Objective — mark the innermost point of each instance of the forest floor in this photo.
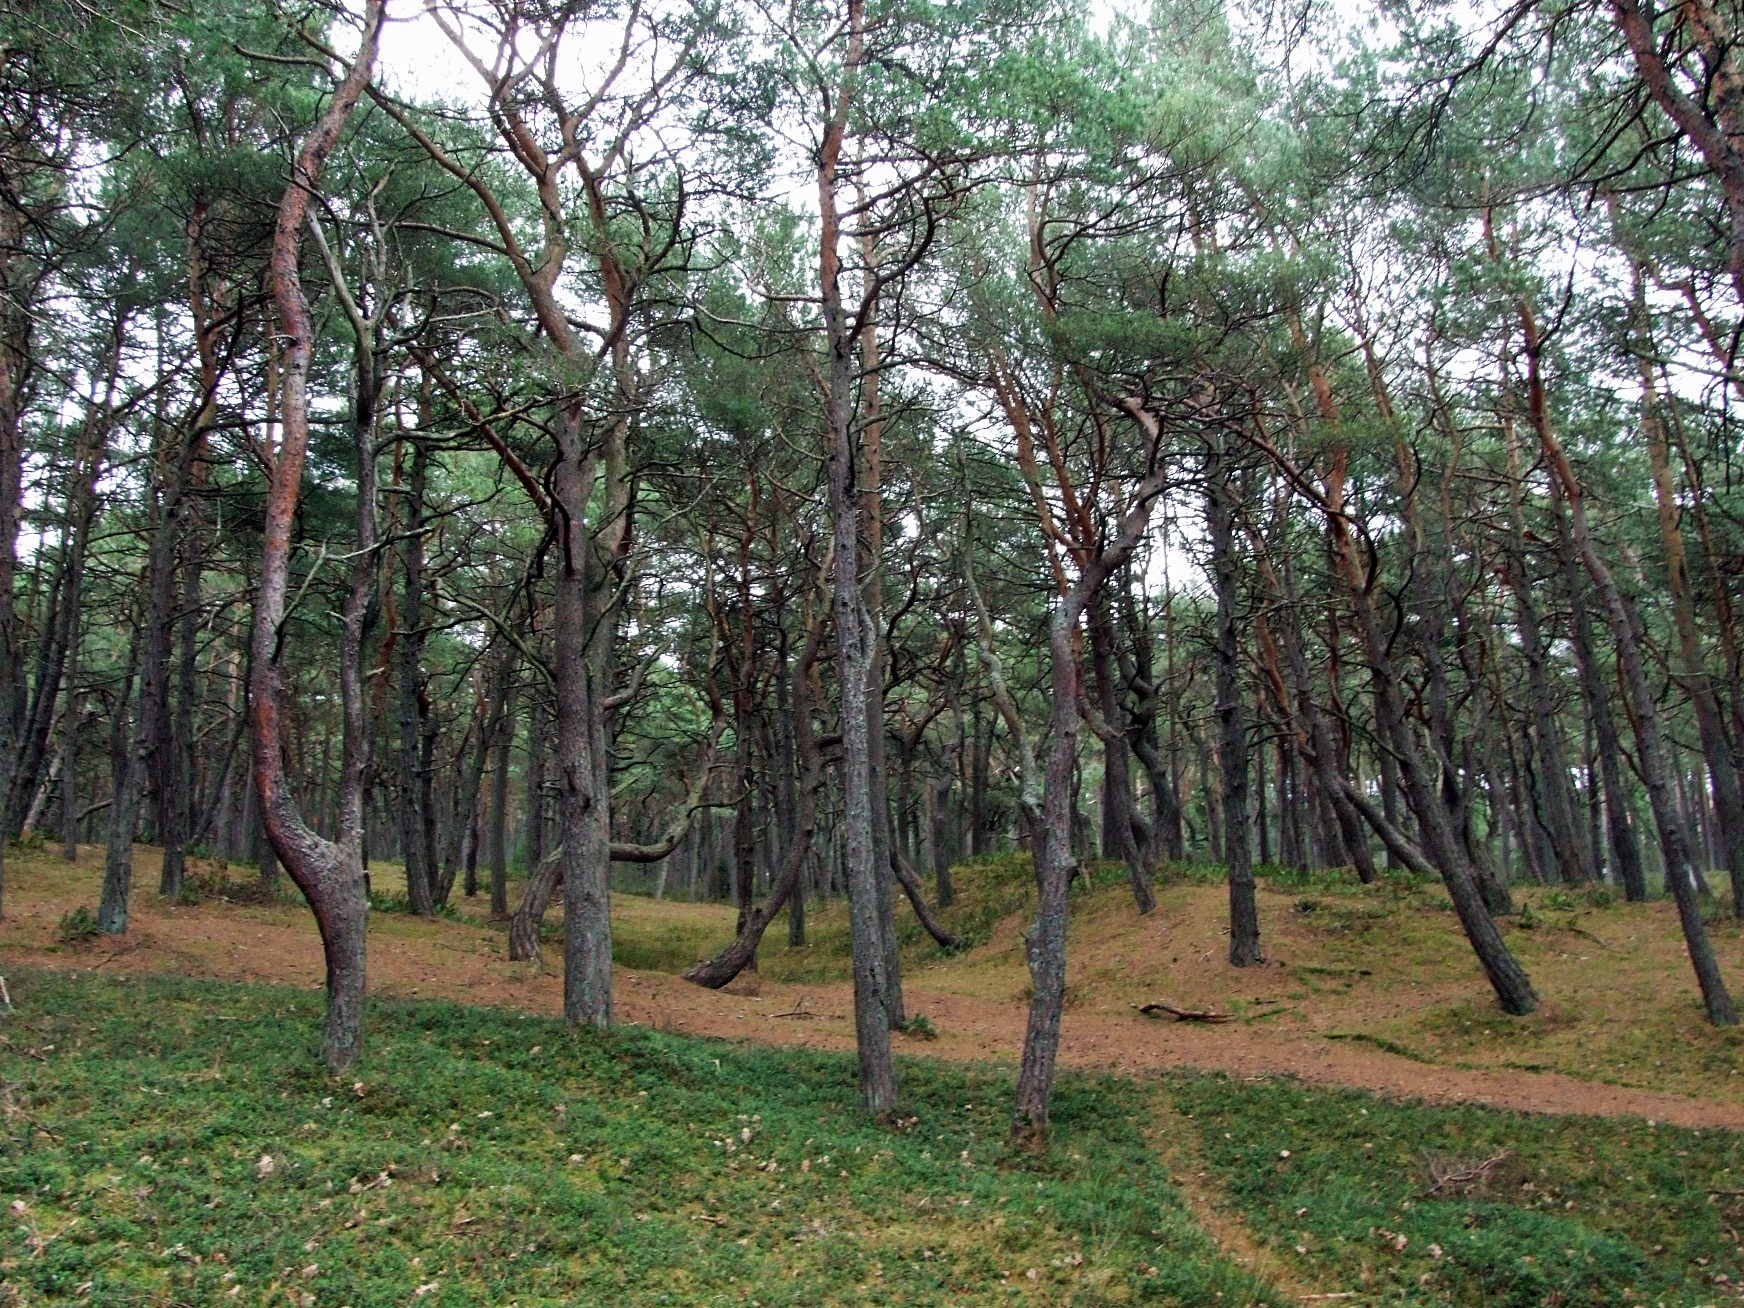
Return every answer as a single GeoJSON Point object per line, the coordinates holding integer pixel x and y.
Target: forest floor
{"type": "Point", "coordinates": [1370, 988]}
{"type": "Point", "coordinates": [1238, 1162]}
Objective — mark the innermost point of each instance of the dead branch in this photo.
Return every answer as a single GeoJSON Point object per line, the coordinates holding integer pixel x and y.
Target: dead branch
{"type": "Point", "coordinates": [1446, 1177]}
{"type": "Point", "coordinates": [1157, 1006]}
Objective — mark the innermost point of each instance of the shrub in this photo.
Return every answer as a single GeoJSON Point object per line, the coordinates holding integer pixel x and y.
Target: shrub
{"type": "Point", "coordinates": [78, 926]}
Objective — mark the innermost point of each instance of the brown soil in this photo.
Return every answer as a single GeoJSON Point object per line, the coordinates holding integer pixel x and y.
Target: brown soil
{"type": "Point", "coordinates": [976, 1004]}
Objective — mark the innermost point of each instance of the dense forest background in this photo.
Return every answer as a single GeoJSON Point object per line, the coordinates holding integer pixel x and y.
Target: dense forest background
{"type": "Point", "coordinates": [771, 452]}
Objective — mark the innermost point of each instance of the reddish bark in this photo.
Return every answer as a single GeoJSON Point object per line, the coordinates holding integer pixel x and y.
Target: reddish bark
{"type": "Point", "coordinates": [330, 874]}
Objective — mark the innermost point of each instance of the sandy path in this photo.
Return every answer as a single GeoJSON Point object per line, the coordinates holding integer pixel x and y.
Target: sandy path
{"type": "Point", "coordinates": [456, 960]}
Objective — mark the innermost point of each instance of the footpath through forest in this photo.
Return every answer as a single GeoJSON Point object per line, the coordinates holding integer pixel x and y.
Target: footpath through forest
{"type": "Point", "coordinates": [1616, 1007]}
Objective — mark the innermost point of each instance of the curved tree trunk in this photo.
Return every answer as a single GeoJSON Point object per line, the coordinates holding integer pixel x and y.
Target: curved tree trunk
{"type": "Point", "coordinates": [530, 911]}
{"type": "Point", "coordinates": [1428, 795]}
{"type": "Point", "coordinates": [330, 874]}
{"type": "Point", "coordinates": [905, 877]}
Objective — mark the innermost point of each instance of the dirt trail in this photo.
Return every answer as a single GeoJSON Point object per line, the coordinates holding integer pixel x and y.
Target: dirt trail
{"type": "Point", "coordinates": [462, 961]}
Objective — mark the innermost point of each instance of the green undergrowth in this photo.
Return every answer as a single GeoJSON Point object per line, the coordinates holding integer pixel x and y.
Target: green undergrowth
{"type": "Point", "coordinates": [991, 889]}
{"type": "Point", "coordinates": [667, 946]}
{"type": "Point", "coordinates": [988, 890]}
{"type": "Point", "coordinates": [165, 1141]}
{"type": "Point", "coordinates": [1399, 1203]}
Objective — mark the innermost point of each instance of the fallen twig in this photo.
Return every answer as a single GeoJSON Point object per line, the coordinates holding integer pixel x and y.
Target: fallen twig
{"type": "Point", "coordinates": [9, 1108]}
{"type": "Point", "coordinates": [125, 949]}
{"type": "Point", "coordinates": [1582, 931]}
{"type": "Point", "coordinates": [1463, 1176]}
{"type": "Point", "coordinates": [1184, 1014]}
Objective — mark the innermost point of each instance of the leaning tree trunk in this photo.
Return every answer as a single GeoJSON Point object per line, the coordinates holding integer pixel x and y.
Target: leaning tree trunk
{"type": "Point", "coordinates": [1426, 794]}
{"type": "Point", "coordinates": [1619, 828]}
{"type": "Point", "coordinates": [1725, 789]}
{"type": "Point", "coordinates": [1443, 845]}
{"type": "Point", "coordinates": [1649, 738]}
{"type": "Point", "coordinates": [59, 646]}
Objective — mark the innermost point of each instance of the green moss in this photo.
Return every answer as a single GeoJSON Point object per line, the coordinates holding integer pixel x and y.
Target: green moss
{"type": "Point", "coordinates": [171, 1140]}
{"type": "Point", "coordinates": [1469, 1206]}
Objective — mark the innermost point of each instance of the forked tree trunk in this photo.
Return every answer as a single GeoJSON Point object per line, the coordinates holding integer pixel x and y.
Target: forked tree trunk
{"type": "Point", "coordinates": [1045, 942]}
{"type": "Point", "coordinates": [1122, 836]}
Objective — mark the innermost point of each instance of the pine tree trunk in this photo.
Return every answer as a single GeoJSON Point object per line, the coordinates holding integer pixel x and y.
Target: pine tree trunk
{"type": "Point", "coordinates": [156, 615]}
{"type": "Point", "coordinates": [416, 847]}
{"type": "Point", "coordinates": [1727, 794]}
{"type": "Point", "coordinates": [329, 874]}
{"type": "Point", "coordinates": [507, 713]}
{"type": "Point", "coordinates": [1221, 506]}
{"type": "Point", "coordinates": [1655, 762]}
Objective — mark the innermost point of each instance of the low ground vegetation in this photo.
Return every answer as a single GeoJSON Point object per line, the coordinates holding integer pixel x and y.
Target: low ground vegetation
{"type": "Point", "coordinates": [176, 1141]}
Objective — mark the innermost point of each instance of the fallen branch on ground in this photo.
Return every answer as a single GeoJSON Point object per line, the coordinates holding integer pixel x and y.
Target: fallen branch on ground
{"type": "Point", "coordinates": [1184, 1014]}
{"type": "Point", "coordinates": [1445, 1176]}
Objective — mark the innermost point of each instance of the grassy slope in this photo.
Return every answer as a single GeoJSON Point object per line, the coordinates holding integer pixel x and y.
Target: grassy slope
{"type": "Point", "coordinates": [1553, 1211]}
{"type": "Point", "coordinates": [171, 1141]}
{"type": "Point", "coordinates": [136, 1148]}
